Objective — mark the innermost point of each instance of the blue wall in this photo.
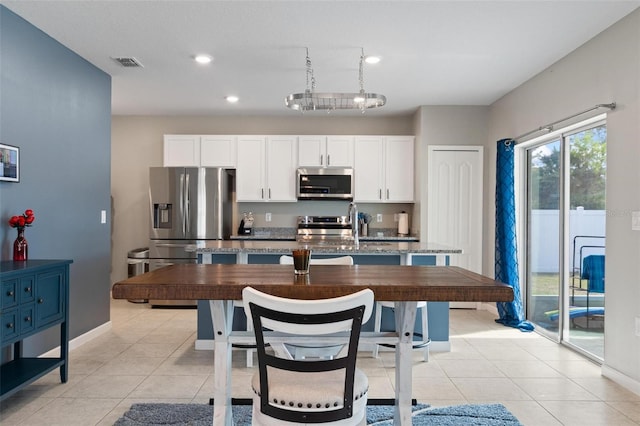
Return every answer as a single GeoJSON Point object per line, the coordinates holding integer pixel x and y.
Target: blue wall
{"type": "Point", "coordinates": [56, 107]}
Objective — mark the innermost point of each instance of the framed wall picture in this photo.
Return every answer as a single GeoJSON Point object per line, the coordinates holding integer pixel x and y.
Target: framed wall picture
{"type": "Point", "coordinates": [9, 163]}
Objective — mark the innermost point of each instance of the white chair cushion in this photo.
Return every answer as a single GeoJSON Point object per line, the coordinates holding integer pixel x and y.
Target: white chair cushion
{"type": "Point", "coordinates": [287, 389]}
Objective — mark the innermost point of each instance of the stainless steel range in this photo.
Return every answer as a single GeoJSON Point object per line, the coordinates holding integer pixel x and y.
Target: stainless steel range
{"type": "Point", "coordinates": [325, 230]}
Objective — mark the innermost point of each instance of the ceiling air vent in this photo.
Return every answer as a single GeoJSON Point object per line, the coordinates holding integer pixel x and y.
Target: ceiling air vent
{"type": "Point", "coordinates": [128, 62]}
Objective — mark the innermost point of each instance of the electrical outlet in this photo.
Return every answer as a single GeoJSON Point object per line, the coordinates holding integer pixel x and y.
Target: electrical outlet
{"type": "Point", "coordinates": [638, 326]}
{"type": "Point", "coordinates": [103, 216]}
{"type": "Point", "coordinates": [379, 217]}
{"type": "Point", "coordinates": [395, 217]}
{"type": "Point", "coordinates": [267, 217]}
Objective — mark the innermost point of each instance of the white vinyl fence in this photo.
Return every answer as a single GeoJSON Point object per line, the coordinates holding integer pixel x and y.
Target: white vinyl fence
{"type": "Point", "coordinates": [544, 237]}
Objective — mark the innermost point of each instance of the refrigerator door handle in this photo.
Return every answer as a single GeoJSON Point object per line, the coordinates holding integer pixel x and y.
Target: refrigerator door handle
{"type": "Point", "coordinates": [187, 205]}
{"type": "Point", "coordinates": [182, 203]}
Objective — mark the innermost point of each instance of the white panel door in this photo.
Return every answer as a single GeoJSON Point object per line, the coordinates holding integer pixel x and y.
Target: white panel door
{"type": "Point", "coordinates": [455, 203]}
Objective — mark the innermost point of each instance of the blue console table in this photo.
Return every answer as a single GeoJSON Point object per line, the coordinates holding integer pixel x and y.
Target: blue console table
{"type": "Point", "coordinates": [35, 297]}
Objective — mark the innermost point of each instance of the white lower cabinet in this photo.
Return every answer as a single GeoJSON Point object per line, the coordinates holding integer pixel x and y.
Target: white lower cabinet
{"type": "Point", "coordinates": [266, 168]}
{"type": "Point", "coordinates": [384, 169]}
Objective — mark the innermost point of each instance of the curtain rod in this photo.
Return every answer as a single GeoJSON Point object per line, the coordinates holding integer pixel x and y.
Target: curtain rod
{"type": "Point", "coordinates": [549, 127]}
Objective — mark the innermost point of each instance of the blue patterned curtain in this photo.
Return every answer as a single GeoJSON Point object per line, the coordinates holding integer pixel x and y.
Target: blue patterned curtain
{"type": "Point", "coordinates": [506, 269]}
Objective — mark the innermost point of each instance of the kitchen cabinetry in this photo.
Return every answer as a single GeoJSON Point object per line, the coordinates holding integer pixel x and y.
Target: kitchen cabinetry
{"type": "Point", "coordinates": [200, 151]}
{"type": "Point", "coordinates": [384, 169]}
{"type": "Point", "coordinates": [266, 168]}
{"type": "Point", "coordinates": [325, 151]}
{"type": "Point", "coordinates": [181, 150]}
{"type": "Point", "coordinates": [35, 297]}
{"type": "Point", "coordinates": [218, 151]}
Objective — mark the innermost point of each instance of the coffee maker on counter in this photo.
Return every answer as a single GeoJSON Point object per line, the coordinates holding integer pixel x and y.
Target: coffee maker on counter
{"type": "Point", "coordinates": [246, 224]}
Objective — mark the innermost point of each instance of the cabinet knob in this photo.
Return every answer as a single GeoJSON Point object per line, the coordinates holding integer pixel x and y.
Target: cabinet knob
{"type": "Point", "coordinates": [27, 319]}
{"type": "Point", "coordinates": [10, 293]}
{"type": "Point", "coordinates": [40, 300]}
{"type": "Point", "coordinates": [9, 325]}
{"type": "Point", "coordinates": [27, 290]}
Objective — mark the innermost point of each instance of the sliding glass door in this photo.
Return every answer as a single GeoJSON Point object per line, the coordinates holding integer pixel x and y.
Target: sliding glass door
{"type": "Point", "coordinates": [544, 237]}
{"type": "Point", "coordinates": [565, 237]}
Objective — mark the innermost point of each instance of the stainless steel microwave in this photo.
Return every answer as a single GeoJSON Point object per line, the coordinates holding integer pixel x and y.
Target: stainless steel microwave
{"type": "Point", "coordinates": [325, 183]}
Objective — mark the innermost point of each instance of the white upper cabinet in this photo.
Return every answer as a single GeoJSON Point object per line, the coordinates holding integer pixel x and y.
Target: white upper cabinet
{"type": "Point", "coordinates": [218, 151]}
{"type": "Point", "coordinates": [384, 169]}
{"type": "Point", "coordinates": [368, 169]}
{"type": "Point", "coordinates": [399, 166]}
{"type": "Point", "coordinates": [266, 168]}
{"type": "Point", "coordinates": [199, 151]}
{"type": "Point", "coordinates": [181, 151]}
{"type": "Point", "coordinates": [282, 153]}
{"type": "Point", "coordinates": [325, 151]}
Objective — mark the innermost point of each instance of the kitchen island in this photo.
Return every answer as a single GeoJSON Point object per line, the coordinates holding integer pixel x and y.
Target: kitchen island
{"type": "Point", "coordinates": [365, 253]}
{"type": "Point", "coordinates": [245, 250]}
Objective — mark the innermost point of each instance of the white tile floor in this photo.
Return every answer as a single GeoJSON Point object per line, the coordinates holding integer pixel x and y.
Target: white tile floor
{"type": "Point", "coordinates": [149, 356]}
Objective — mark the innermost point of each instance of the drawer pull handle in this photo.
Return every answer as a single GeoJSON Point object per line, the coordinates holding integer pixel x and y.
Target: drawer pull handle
{"type": "Point", "coordinates": [10, 325]}
{"type": "Point", "coordinates": [41, 300]}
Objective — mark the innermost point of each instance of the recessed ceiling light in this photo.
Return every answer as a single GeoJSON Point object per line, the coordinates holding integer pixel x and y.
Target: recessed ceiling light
{"type": "Point", "coordinates": [232, 99]}
{"type": "Point", "coordinates": [203, 59]}
{"type": "Point", "coordinates": [372, 59]}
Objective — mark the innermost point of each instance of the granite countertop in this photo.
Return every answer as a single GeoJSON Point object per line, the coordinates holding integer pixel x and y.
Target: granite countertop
{"type": "Point", "coordinates": [285, 247]}
{"type": "Point", "coordinates": [289, 234]}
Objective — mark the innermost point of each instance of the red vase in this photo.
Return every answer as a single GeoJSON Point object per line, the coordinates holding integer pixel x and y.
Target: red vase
{"type": "Point", "coordinates": [20, 246]}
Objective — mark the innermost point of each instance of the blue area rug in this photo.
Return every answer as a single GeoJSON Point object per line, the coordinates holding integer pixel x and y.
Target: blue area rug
{"type": "Point", "coordinates": [201, 415]}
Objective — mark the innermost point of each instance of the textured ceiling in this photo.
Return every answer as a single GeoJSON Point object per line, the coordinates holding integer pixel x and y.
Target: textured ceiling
{"type": "Point", "coordinates": [433, 52]}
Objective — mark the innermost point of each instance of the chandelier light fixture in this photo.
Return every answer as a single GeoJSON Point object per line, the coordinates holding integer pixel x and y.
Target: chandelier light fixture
{"type": "Point", "coordinates": [310, 100]}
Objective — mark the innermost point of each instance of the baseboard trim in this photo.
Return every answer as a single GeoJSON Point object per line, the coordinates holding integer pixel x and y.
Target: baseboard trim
{"type": "Point", "coordinates": [621, 379]}
{"type": "Point", "coordinates": [80, 340]}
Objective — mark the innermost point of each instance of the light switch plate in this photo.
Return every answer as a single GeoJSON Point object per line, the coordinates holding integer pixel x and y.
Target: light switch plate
{"type": "Point", "coordinates": [267, 217]}
{"type": "Point", "coordinates": [103, 216]}
{"type": "Point", "coordinates": [635, 221]}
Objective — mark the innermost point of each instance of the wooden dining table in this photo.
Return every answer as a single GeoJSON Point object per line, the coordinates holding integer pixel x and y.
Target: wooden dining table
{"type": "Point", "coordinates": [221, 284]}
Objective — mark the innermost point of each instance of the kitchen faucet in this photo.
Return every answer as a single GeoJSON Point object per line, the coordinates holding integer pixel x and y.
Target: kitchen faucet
{"type": "Point", "coordinates": [353, 217]}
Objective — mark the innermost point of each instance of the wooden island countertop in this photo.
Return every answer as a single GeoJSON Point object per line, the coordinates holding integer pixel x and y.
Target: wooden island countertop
{"type": "Point", "coordinates": [389, 282]}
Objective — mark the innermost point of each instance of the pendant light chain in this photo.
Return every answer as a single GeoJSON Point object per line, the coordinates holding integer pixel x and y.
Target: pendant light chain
{"type": "Point", "coordinates": [310, 77]}
{"type": "Point", "coordinates": [309, 100]}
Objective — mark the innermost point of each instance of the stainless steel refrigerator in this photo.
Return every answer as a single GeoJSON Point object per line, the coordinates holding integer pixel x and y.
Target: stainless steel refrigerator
{"type": "Point", "coordinates": [187, 205]}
